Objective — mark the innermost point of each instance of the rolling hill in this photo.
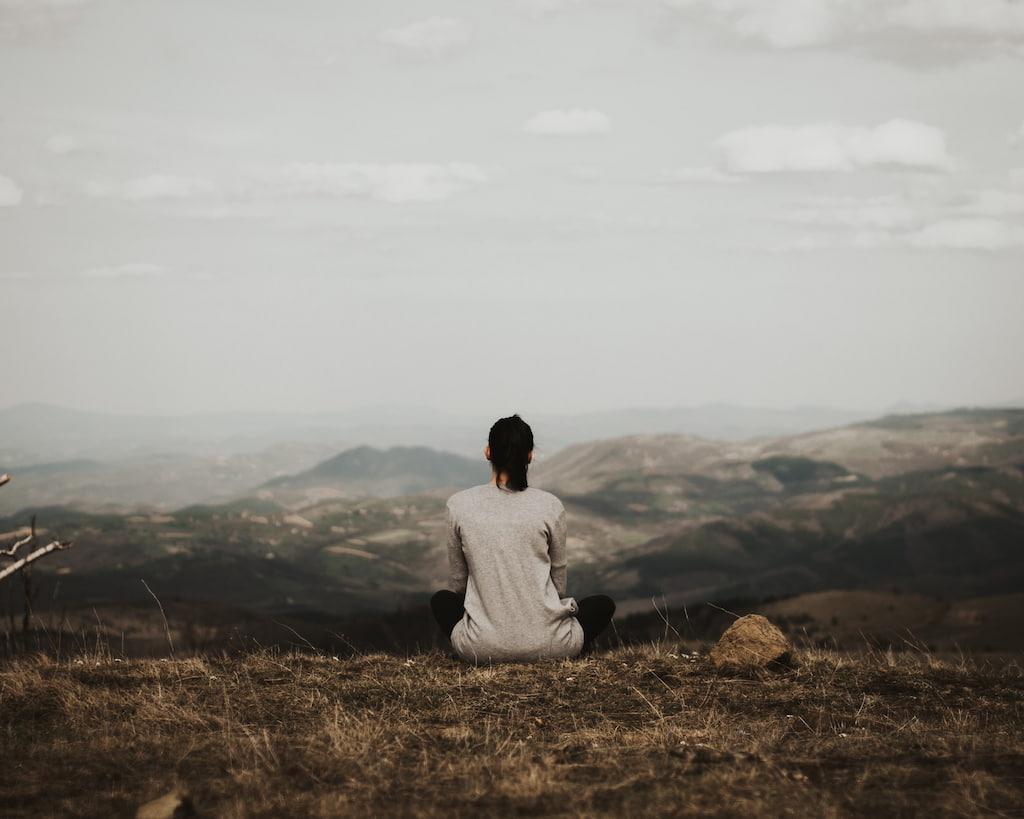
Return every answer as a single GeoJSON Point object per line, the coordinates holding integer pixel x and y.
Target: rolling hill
{"type": "Point", "coordinates": [368, 472]}
{"type": "Point", "coordinates": [928, 504]}
{"type": "Point", "coordinates": [931, 503]}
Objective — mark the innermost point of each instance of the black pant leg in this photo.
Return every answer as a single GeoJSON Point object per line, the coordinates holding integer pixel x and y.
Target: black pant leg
{"type": "Point", "coordinates": [595, 613]}
{"type": "Point", "coordinates": [448, 608]}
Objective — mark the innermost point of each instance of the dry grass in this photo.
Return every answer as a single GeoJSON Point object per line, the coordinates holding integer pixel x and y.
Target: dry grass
{"type": "Point", "coordinates": [632, 732]}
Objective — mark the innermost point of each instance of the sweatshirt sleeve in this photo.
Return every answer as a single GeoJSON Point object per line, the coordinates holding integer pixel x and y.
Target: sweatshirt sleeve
{"type": "Point", "coordinates": [556, 552]}
{"type": "Point", "coordinates": [456, 558]}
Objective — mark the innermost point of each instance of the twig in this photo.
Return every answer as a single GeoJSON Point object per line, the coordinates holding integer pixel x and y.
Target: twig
{"type": "Point", "coordinates": [650, 705]}
{"type": "Point", "coordinates": [734, 614]}
{"type": "Point", "coordinates": [707, 695]}
{"type": "Point", "coordinates": [347, 642]}
{"type": "Point", "coordinates": [664, 617]}
{"type": "Point", "coordinates": [686, 614]}
{"type": "Point", "coordinates": [99, 631]}
{"type": "Point", "coordinates": [23, 542]}
{"type": "Point", "coordinates": [917, 644]}
{"type": "Point", "coordinates": [312, 647]}
{"type": "Point", "coordinates": [38, 553]}
{"type": "Point", "coordinates": [29, 538]}
{"type": "Point", "coordinates": [167, 628]}
{"type": "Point", "coordinates": [615, 631]}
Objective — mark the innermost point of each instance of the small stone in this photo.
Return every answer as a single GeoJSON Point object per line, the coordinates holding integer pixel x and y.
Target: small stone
{"type": "Point", "coordinates": [699, 755]}
{"type": "Point", "coordinates": [173, 805]}
{"type": "Point", "coordinates": [752, 641]}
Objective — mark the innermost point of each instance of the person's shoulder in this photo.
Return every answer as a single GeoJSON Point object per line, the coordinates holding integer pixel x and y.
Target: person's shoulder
{"type": "Point", "coordinates": [542, 496]}
{"type": "Point", "coordinates": [465, 496]}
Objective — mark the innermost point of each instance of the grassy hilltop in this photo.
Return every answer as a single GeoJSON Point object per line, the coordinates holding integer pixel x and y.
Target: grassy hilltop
{"type": "Point", "coordinates": [898, 540]}
{"type": "Point", "coordinates": [644, 731]}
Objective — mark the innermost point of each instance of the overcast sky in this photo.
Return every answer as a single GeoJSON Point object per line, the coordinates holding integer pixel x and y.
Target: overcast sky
{"type": "Point", "coordinates": [524, 205]}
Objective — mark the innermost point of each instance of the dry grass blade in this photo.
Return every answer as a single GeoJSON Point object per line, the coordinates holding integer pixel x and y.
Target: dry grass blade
{"type": "Point", "coordinates": [167, 627]}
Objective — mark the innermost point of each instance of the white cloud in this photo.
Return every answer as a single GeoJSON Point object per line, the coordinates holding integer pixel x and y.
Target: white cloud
{"type": "Point", "coordinates": [995, 19]}
{"type": "Point", "coordinates": [986, 220]}
{"type": "Point", "coordinates": [587, 175]}
{"type": "Point", "coordinates": [10, 194]}
{"type": "Point", "coordinates": [779, 23]}
{"type": "Point", "coordinates": [803, 244]}
{"type": "Point", "coordinates": [434, 36]}
{"type": "Point", "coordinates": [1017, 138]}
{"type": "Point", "coordinates": [574, 122]}
{"type": "Point", "coordinates": [888, 213]}
{"type": "Point", "coordinates": [398, 183]}
{"type": "Point", "coordinates": [32, 18]}
{"type": "Point", "coordinates": [995, 203]}
{"type": "Point", "coordinates": [968, 234]}
{"type": "Point", "coordinates": [557, 6]}
{"type": "Point", "coordinates": [62, 144]}
{"type": "Point", "coordinates": [833, 147]}
{"type": "Point", "coordinates": [786, 24]}
{"type": "Point", "coordinates": [124, 270]}
{"type": "Point", "coordinates": [17, 274]}
{"type": "Point", "coordinates": [154, 186]}
{"type": "Point", "coordinates": [702, 176]}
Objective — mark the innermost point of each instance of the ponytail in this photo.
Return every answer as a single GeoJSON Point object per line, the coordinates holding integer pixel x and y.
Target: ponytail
{"type": "Point", "coordinates": [511, 442]}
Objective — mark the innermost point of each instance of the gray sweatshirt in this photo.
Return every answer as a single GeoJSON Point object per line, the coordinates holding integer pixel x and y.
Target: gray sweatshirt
{"type": "Point", "coordinates": [506, 550]}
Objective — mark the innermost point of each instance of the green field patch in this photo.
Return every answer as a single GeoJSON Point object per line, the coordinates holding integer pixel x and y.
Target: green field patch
{"type": "Point", "coordinates": [373, 574]}
{"type": "Point", "coordinates": [392, 536]}
{"type": "Point", "coordinates": [628, 537]}
{"type": "Point", "coordinates": [346, 550]}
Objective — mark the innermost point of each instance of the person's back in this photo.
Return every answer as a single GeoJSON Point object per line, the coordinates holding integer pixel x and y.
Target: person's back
{"type": "Point", "coordinates": [512, 546]}
{"type": "Point", "coordinates": [506, 552]}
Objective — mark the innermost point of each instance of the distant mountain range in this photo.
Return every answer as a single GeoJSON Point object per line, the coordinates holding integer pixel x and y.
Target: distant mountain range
{"type": "Point", "coordinates": [926, 503]}
{"type": "Point", "coordinates": [120, 463]}
{"type": "Point", "coordinates": [39, 433]}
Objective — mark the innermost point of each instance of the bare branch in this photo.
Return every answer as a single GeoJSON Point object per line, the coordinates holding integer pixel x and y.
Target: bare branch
{"type": "Point", "coordinates": [25, 540]}
{"type": "Point", "coordinates": [29, 538]}
{"type": "Point", "coordinates": [38, 553]}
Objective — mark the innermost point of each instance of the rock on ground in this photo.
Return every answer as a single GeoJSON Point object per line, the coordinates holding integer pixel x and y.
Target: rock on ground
{"type": "Point", "coordinates": [174, 805]}
{"type": "Point", "coordinates": [752, 640]}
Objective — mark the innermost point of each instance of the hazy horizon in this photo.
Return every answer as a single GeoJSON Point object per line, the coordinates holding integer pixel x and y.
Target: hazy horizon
{"type": "Point", "coordinates": [395, 410]}
{"type": "Point", "coordinates": [542, 206]}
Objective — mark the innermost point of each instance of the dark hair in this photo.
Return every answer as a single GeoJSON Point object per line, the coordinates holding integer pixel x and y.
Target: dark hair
{"type": "Point", "coordinates": [511, 442]}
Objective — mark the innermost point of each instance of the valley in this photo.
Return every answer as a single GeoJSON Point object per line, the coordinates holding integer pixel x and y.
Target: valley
{"type": "Point", "coordinates": [929, 506]}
